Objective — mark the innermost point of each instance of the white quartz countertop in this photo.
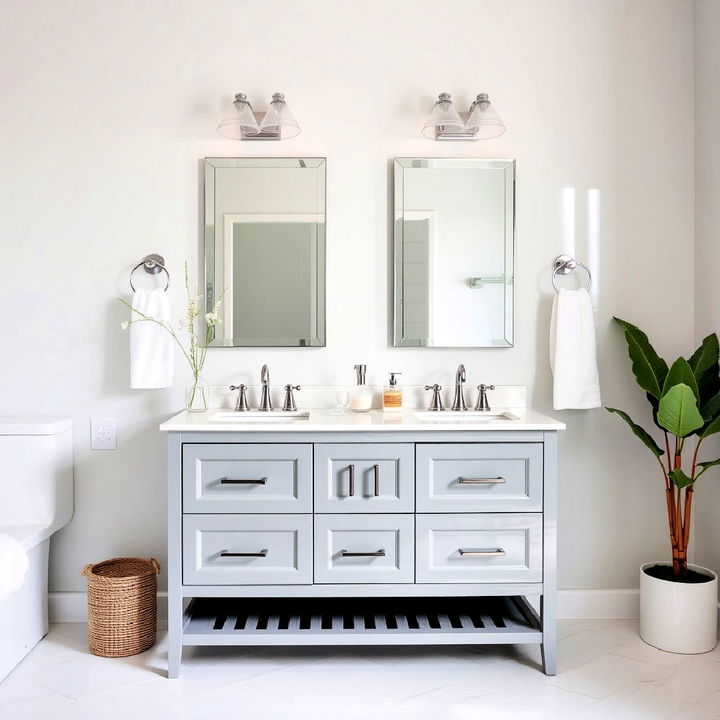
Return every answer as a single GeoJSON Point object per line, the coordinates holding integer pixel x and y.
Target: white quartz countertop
{"type": "Point", "coordinates": [372, 421]}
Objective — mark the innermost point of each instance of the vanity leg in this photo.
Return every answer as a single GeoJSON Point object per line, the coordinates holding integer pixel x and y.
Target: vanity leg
{"type": "Point", "coordinates": [174, 658]}
{"type": "Point", "coordinates": [548, 599]}
{"type": "Point", "coordinates": [549, 633]}
{"type": "Point", "coordinates": [175, 623]}
{"type": "Point", "coordinates": [174, 563]}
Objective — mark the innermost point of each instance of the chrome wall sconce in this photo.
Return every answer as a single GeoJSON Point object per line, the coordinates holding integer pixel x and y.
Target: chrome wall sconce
{"type": "Point", "coordinates": [243, 123]}
{"type": "Point", "coordinates": [479, 123]}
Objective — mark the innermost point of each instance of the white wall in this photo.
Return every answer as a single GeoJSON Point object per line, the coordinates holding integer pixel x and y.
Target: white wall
{"type": "Point", "coordinates": [707, 249]}
{"type": "Point", "coordinates": [108, 107]}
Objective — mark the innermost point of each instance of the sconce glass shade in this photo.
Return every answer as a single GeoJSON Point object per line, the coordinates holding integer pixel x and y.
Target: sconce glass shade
{"type": "Point", "coordinates": [483, 122]}
{"type": "Point", "coordinates": [279, 119]}
{"type": "Point", "coordinates": [240, 122]}
{"type": "Point", "coordinates": [443, 115]}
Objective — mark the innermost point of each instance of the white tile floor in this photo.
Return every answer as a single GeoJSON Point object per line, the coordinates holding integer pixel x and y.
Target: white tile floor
{"type": "Point", "coordinates": [606, 671]}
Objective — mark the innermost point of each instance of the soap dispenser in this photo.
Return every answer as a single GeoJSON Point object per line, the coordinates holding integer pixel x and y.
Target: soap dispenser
{"type": "Point", "coordinates": [392, 394]}
{"type": "Point", "coordinates": [361, 397]}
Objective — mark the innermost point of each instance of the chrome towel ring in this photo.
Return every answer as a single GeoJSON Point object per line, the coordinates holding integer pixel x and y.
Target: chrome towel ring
{"type": "Point", "coordinates": [152, 264]}
{"type": "Point", "coordinates": [564, 265]}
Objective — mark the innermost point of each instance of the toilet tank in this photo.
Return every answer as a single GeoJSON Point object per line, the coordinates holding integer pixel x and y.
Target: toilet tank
{"type": "Point", "coordinates": [36, 473]}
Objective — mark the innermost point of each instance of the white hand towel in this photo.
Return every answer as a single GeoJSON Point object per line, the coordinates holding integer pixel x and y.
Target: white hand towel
{"type": "Point", "coordinates": [572, 352]}
{"type": "Point", "coordinates": [13, 564]}
{"type": "Point", "coordinates": [151, 346]}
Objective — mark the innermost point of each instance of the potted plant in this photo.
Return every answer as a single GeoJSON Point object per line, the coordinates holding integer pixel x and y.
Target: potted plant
{"type": "Point", "coordinates": [678, 601]}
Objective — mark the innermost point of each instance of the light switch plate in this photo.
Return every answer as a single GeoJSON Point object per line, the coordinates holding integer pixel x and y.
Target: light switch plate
{"type": "Point", "coordinates": [103, 433]}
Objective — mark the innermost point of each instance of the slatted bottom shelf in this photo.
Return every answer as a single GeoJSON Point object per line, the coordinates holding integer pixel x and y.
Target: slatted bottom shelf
{"type": "Point", "coordinates": [361, 621]}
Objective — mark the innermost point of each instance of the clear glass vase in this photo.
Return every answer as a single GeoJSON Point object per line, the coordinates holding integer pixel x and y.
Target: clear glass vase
{"type": "Point", "coordinates": [196, 395]}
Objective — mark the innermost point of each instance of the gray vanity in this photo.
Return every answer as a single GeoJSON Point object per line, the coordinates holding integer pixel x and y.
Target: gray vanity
{"type": "Point", "coordinates": [381, 530]}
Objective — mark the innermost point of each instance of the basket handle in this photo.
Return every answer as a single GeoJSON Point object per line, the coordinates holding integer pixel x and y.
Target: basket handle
{"type": "Point", "coordinates": [156, 565]}
{"type": "Point", "coordinates": [86, 570]}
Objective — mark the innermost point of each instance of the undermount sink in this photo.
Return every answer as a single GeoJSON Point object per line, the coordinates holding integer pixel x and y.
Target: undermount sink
{"type": "Point", "coordinates": [255, 416]}
{"type": "Point", "coordinates": [454, 416]}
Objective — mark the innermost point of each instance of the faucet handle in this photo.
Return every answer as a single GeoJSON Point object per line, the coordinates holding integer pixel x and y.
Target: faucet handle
{"type": "Point", "coordinates": [242, 404]}
{"type": "Point", "coordinates": [289, 404]}
{"type": "Point", "coordinates": [436, 404]}
{"type": "Point", "coordinates": [482, 401]}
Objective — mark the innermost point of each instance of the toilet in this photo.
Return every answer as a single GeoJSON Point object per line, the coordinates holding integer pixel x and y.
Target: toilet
{"type": "Point", "coordinates": [36, 500]}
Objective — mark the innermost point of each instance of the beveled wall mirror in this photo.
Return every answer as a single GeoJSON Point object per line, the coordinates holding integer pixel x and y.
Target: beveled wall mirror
{"type": "Point", "coordinates": [265, 250]}
{"type": "Point", "coordinates": [454, 252]}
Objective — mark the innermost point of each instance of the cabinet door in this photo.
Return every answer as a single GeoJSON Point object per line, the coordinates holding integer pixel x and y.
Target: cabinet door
{"type": "Point", "coordinates": [364, 549]}
{"type": "Point", "coordinates": [247, 478]}
{"type": "Point", "coordinates": [479, 477]}
{"type": "Point", "coordinates": [479, 548]}
{"type": "Point", "coordinates": [364, 478]}
{"type": "Point", "coordinates": [247, 549]}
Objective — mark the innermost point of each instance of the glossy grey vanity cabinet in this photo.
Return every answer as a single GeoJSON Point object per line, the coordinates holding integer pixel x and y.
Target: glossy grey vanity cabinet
{"type": "Point", "coordinates": [372, 537]}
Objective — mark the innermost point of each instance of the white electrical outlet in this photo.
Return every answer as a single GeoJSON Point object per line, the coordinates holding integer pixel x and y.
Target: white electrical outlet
{"type": "Point", "coordinates": [103, 433]}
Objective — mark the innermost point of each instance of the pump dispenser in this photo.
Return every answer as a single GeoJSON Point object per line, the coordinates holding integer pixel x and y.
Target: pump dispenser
{"type": "Point", "coordinates": [392, 394]}
{"type": "Point", "coordinates": [361, 397]}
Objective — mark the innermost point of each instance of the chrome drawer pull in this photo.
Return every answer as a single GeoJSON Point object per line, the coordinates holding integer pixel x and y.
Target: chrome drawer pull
{"type": "Point", "coordinates": [481, 481]}
{"type": "Point", "coordinates": [225, 553]}
{"type": "Point", "coordinates": [482, 552]}
{"type": "Point", "coordinates": [376, 468]}
{"type": "Point", "coordinates": [243, 481]}
{"type": "Point", "coordinates": [378, 553]}
{"type": "Point", "coordinates": [351, 491]}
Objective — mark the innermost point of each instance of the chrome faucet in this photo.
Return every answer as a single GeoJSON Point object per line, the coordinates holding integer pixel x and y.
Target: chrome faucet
{"type": "Point", "coordinates": [265, 399]}
{"type": "Point", "coordinates": [242, 404]}
{"type": "Point", "coordinates": [459, 399]}
{"type": "Point", "coordinates": [436, 404]}
{"type": "Point", "coordinates": [482, 402]}
{"type": "Point", "coordinates": [289, 404]}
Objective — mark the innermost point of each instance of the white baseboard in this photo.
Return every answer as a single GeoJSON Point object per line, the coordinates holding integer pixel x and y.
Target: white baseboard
{"type": "Point", "coordinates": [572, 605]}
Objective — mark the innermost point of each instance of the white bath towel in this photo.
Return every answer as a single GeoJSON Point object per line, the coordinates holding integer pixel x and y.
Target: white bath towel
{"type": "Point", "coordinates": [572, 352]}
{"type": "Point", "coordinates": [13, 564]}
{"type": "Point", "coordinates": [151, 346]}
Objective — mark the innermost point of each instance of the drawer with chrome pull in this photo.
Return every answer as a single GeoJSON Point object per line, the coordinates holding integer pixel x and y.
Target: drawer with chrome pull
{"type": "Point", "coordinates": [364, 549]}
{"type": "Point", "coordinates": [479, 548]}
{"type": "Point", "coordinates": [247, 549]}
{"type": "Point", "coordinates": [364, 478]}
{"type": "Point", "coordinates": [247, 478]}
{"type": "Point", "coordinates": [479, 477]}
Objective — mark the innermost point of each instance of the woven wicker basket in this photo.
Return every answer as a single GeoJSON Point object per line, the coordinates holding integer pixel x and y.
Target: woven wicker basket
{"type": "Point", "coordinates": [122, 606]}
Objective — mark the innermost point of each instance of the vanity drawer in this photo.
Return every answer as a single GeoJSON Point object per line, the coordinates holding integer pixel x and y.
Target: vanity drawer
{"type": "Point", "coordinates": [364, 478]}
{"type": "Point", "coordinates": [364, 549]}
{"type": "Point", "coordinates": [479, 477]}
{"type": "Point", "coordinates": [502, 548]}
{"type": "Point", "coordinates": [247, 549]}
{"type": "Point", "coordinates": [252, 478]}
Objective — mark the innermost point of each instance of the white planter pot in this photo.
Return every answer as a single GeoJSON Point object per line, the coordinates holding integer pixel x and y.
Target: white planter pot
{"type": "Point", "coordinates": [679, 617]}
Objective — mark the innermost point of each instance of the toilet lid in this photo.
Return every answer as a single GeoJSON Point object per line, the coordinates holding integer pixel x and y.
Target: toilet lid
{"type": "Point", "coordinates": [34, 424]}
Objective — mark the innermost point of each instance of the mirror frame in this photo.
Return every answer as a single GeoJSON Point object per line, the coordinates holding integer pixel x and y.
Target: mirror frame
{"type": "Point", "coordinates": [399, 165]}
{"type": "Point", "coordinates": [210, 165]}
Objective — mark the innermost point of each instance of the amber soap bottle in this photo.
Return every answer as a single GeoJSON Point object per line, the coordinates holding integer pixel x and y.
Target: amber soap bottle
{"type": "Point", "coordinates": [392, 394]}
